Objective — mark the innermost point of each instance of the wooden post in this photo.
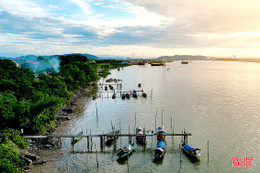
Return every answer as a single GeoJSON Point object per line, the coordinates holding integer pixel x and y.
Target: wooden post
{"type": "Point", "coordinates": [172, 128]}
{"type": "Point", "coordinates": [208, 151]}
{"type": "Point", "coordinates": [101, 143]}
{"type": "Point", "coordinates": [155, 122]}
{"type": "Point", "coordinates": [91, 143]}
{"type": "Point", "coordinates": [129, 138]}
{"type": "Point", "coordinates": [180, 153]}
{"type": "Point", "coordinates": [144, 137]}
{"type": "Point", "coordinates": [88, 143]}
{"type": "Point", "coordinates": [97, 157]}
{"type": "Point", "coordinates": [72, 144]}
{"type": "Point", "coordinates": [96, 111]}
{"type": "Point", "coordinates": [135, 121]}
{"type": "Point", "coordinates": [162, 120]}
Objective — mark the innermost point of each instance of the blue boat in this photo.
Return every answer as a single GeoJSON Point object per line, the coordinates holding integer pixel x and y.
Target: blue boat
{"type": "Point", "coordinates": [191, 151]}
{"type": "Point", "coordinates": [159, 151]}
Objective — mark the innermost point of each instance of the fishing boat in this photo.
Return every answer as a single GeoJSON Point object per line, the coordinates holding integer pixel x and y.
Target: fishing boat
{"type": "Point", "coordinates": [125, 151]}
{"type": "Point", "coordinates": [78, 138]}
{"type": "Point", "coordinates": [114, 96]}
{"type": "Point", "coordinates": [191, 151]}
{"type": "Point", "coordinates": [111, 137]}
{"type": "Point", "coordinates": [159, 151]}
{"type": "Point", "coordinates": [140, 135]}
{"type": "Point", "coordinates": [161, 134]}
{"type": "Point", "coordinates": [184, 62]}
{"type": "Point", "coordinates": [123, 96]}
{"type": "Point", "coordinates": [127, 95]}
{"type": "Point", "coordinates": [134, 94]}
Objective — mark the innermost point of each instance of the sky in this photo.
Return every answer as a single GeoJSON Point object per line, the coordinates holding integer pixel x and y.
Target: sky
{"type": "Point", "coordinates": [130, 28]}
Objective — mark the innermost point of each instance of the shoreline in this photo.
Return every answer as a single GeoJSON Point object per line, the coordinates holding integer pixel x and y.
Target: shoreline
{"type": "Point", "coordinates": [39, 153]}
{"type": "Point", "coordinates": [66, 112]}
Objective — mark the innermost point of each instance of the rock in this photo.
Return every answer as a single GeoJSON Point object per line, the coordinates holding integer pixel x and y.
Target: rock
{"type": "Point", "coordinates": [63, 118]}
{"type": "Point", "coordinates": [40, 162]}
{"type": "Point", "coordinates": [30, 156]}
{"type": "Point", "coordinates": [48, 146]}
{"type": "Point", "coordinates": [68, 110]}
{"type": "Point", "coordinates": [27, 161]}
{"type": "Point", "coordinates": [27, 169]}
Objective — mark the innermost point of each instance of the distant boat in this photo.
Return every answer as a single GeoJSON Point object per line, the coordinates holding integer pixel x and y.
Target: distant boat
{"type": "Point", "coordinates": [158, 64]}
{"type": "Point", "coordinates": [134, 94]}
{"type": "Point", "coordinates": [125, 151]}
{"type": "Point", "coordinates": [78, 138]}
{"type": "Point", "coordinates": [185, 62]}
{"type": "Point", "coordinates": [127, 95]}
{"type": "Point", "coordinates": [123, 96]}
{"type": "Point", "coordinates": [191, 151]}
{"type": "Point", "coordinates": [142, 63]}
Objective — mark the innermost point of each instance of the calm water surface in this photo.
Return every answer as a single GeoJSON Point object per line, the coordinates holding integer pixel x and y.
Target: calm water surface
{"type": "Point", "coordinates": [215, 101]}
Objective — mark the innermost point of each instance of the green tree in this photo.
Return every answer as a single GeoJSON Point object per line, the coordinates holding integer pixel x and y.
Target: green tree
{"type": "Point", "coordinates": [10, 161]}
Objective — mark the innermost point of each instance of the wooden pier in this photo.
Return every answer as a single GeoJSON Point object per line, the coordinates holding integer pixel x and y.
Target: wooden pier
{"type": "Point", "coordinates": [102, 138]}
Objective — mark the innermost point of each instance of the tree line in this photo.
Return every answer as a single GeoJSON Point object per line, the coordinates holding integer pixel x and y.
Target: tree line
{"type": "Point", "coordinates": [31, 102]}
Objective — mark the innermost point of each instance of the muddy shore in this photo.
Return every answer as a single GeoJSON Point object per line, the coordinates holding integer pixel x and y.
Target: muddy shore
{"type": "Point", "coordinates": [39, 152]}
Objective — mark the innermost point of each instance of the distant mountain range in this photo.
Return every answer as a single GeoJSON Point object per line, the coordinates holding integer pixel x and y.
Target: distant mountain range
{"type": "Point", "coordinates": [89, 56]}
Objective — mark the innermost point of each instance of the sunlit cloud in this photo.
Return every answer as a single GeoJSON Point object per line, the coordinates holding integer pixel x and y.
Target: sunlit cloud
{"type": "Point", "coordinates": [149, 27]}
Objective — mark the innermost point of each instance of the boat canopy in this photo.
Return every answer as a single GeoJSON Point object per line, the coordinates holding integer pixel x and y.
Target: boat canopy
{"type": "Point", "coordinates": [189, 148]}
{"type": "Point", "coordinates": [161, 144]}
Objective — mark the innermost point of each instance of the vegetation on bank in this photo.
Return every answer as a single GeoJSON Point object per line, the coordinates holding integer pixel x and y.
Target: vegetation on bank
{"type": "Point", "coordinates": [31, 103]}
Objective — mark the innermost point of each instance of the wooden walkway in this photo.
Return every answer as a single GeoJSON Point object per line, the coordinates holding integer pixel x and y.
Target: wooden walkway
{"type": "Point", "coordinates": [100, 135]}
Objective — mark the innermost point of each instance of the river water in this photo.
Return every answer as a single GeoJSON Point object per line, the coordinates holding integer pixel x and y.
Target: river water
{"type": "Point", "coordinates": [216, 101]}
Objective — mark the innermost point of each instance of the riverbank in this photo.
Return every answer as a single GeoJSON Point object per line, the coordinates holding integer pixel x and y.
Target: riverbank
{"type": "Point", "coordinates": [42, 152]}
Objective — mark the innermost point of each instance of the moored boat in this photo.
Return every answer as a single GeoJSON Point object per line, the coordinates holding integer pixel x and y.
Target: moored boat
{"type": "Point", "coordinates": [159, 151]}
{"type": "Point", "coordinates": [125, 151]}
{"type": "Point", "coordinates": [111, 137]}
{"type": "Point", "coordinates": [134, 94]}
{"type": "Point", "coordinates": [184, 62]}
{"type": "Point", "coordinates": [191, 151]}
{"type": "Point", "coordinates": [78, 138]}
{"type": "Point", "coordinates": [161, 134]}
{"type": "Point", "coordinates": [123, 96]}
{"type": "Point", "coordinates": [127, 95]}
{"type": "Point", "coordinates": [140, 135]}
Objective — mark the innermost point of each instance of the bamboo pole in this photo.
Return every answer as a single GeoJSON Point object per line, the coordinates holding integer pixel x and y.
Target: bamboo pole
{"type": "Point", "coordinates": [208, 151]}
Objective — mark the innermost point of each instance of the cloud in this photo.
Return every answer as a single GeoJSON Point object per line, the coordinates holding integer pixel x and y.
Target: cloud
{"type": "Point", "coordinates": [223, 16]}
{"type": "Point", "coordinates": [78, 25]}
{"type": "Point", "coordinates": [84, 6]}
{"type": "Point", "coordinates": [54, 7]}
{"type": "Point", "coordinates": [23, 7]}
